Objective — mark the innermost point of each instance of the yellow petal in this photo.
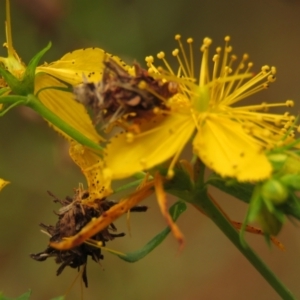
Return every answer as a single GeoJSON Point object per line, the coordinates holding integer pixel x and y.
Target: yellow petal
{"type": "Point", "coordinates": [65, 107]}
{"type": "Point", "coordinates": [73, 65]}
{"type": "Point", "coordinates": [3, 183]}
{"type": "Point", "coordinates": [91, 166]}
{"type": "Point", "coordinates": [223, 145]}
{"type": "Point", "coordinates": [164, 139]}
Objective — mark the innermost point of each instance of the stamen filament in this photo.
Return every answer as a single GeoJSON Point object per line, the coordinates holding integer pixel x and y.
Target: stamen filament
{"type": "Point", "coordinates": [178, 39]}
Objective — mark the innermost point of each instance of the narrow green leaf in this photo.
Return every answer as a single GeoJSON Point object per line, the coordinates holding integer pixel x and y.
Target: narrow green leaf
{"type": "Point", "coordinates": [25, 296]}
{"type": "Point", "coordinates": [29, 76]}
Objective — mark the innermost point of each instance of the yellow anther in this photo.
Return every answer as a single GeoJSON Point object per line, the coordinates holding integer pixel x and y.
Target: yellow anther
{"type": "Point", "coordinates": [207, 41]}
{"type": "Point", "coordinates": [271, 78]}
{"type": "Point", "coordinates": [265, 86]}
{"type": "Point", "coordinates": [265, 68]}
{"type": "Point", "coordinates": [149, 59]}
{"type": "Point", "coordinates": [142, 85]}
{"type": "Point", "coordinates": [161, 55]}
{"type": "Point", "coordinates": [175, 52]}
{"type": "Point", "coordinates": [273, 70]}
{"type": "Point", "coordinates": [216, 57]}
{"type": "Point", "coordinates": [298, 128]}
{"type": "Point", "coordinates": [227, 38]}
{"type": "Point", "coordinates": [250, 64]}
{"type": "Point", "coordinates": [189, 40]}
{"type": "Point", "coordinates": [228, 49]}
{"type": "Point", "coordinates": [129, 137]}
{"type": "Point", "coordinates": [177, 37]}
{"type": "Point", "coordinates": [245, 56]}
{"type": "Point", "coordinates": [289, 103]}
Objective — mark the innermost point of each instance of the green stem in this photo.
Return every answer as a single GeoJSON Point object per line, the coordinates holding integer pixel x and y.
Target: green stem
{"type": "Point", "coordinates": [202, 201]}
{"type": "Point", "coordinates": [35, 104]}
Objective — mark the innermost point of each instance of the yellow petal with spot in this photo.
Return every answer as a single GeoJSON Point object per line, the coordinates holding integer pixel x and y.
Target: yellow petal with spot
{"type": "Point", "coordinates": [3, 183]}
{"type": "Point", "coordinates": [65, 107]}
{"type": "Point", "coordinates": [73, 65]}
{"type": "Point", "coordinates": [91, 165]}
{"type": "Point", "coordinates": [223, 145]}
{"type": "Point", "coordinates": [163, 139]}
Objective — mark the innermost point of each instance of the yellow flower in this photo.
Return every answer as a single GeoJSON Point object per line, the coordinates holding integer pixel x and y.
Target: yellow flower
{"type": "Point", "coordinates": [228, 137]}
{"type": "Point", "coordinates": [3, 183]}
{"type": "Point", "coordinates": [70, 69]}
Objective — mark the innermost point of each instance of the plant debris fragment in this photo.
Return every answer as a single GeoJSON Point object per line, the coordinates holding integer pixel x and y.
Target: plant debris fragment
{"type": "Point", "coordinates": [72, 217]}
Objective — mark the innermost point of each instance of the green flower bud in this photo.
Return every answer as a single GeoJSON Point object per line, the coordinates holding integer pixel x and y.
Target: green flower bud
{"type": "Point", "coordinates": [274, 191]}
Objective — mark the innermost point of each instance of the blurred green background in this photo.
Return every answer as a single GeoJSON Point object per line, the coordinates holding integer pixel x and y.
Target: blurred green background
{"type": "Point", "coordinates": [35, 159]}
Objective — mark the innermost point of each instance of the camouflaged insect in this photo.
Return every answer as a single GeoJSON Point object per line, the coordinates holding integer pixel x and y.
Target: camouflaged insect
{"type": "Point", "coordinates": [120, 94]}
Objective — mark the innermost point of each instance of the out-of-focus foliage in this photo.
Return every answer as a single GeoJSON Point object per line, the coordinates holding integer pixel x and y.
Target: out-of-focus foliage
{"type": "Point", "coordinates": [133, 29]}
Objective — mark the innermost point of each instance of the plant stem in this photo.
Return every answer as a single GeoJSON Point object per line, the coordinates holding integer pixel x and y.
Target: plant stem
{"type": "Point", "coordinates": [202, 201]}
{"type": "Point", "coordinates": [35, 104]}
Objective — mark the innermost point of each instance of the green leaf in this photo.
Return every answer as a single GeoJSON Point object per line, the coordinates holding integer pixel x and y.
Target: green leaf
{"type": "Point", "coordinates": [25, 296]}
{"type": "Point", "coordinates": [175, 211]}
